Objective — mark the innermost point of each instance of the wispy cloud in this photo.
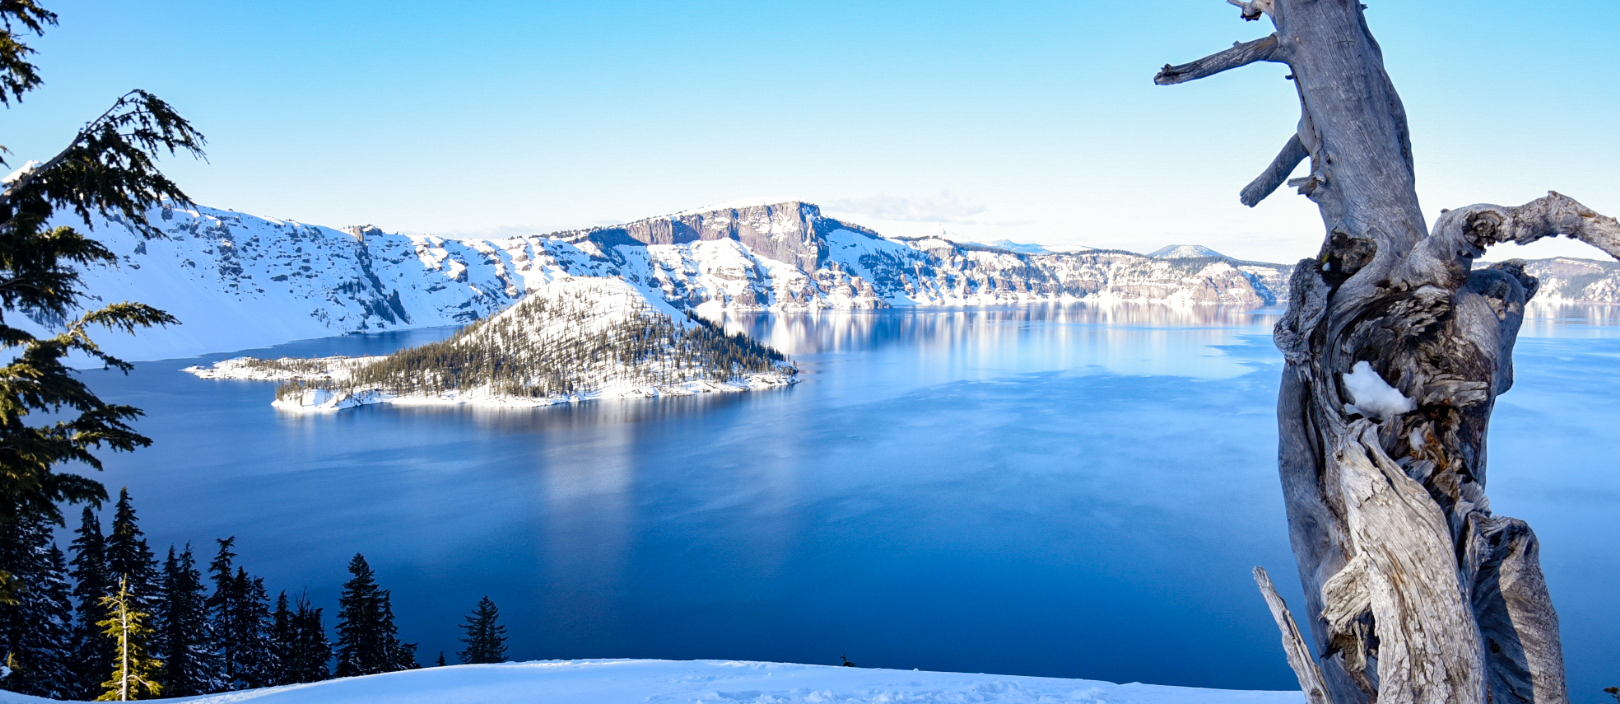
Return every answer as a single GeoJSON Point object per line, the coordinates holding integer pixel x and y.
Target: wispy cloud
{"type": "Point", "coordinates": [945, 207]}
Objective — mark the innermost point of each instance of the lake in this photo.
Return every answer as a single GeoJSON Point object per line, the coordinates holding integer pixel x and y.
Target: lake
{"type": "Point", "coordinates": [1052, 490]}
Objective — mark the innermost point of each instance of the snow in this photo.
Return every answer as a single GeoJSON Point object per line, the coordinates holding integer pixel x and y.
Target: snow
{"type": "Point", "coordinates": [1185, 251]}
{"type": "Point", "coordinates": [712, 681]}
{"type": "Point", "coordinates": [1373, 397]}
{"type": "Point", "coordinates": [20, 172]}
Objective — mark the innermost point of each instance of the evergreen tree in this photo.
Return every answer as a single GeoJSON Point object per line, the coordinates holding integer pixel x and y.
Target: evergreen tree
{"type": "Point", "coordinates": [283, 638]}
{"type": "Point", "coordinates": [307, 655]}
{"type": "Point", "coordinates": [129, 558]}
{"type": "Point", "coordinates": [185, 636]}
{"type": "Point", "coordinates": [241, 614]}
{"type": "Point", "coordinates": [440, 662]}
{"type": "Point", "coordinates": [486, 639]}
{"type": "Point", "coordinates": [368, 641]}
{"type": "Point", "coordinates": [222, 605]}
{"type": "Point", "coordinates": [36, 630]}
{"type": "Point", "coordinates": [250, 627]}
{"type": "Point", "coordinates": [134, 671]}
{"type": "Point", "coordinates": [92, 658]}
{"type": "Point", "coordinates": [106, 171]}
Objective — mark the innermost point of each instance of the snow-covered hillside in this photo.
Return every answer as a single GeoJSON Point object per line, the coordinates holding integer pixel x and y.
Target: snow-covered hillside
{"type": "Point", "coordinates": [1565, 280]}
{"type": "Point", "coordinates": [663, 681]}
{"type": "Point", "coordinates": [238, 281]}
{"type": "Point", "coordinates": [575, 339]}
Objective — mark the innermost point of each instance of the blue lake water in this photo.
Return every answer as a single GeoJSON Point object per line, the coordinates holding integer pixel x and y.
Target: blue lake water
{"type": "Point", "coordinates": [1060, 491]}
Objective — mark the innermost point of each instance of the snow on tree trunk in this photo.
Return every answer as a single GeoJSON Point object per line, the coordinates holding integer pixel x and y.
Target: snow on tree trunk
{"type": "Point", "coordinates": [1396, 350]}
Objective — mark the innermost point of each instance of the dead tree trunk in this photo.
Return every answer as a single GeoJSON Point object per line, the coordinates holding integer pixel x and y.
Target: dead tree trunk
{"type": "Point", "coordinates": [1396, 349]}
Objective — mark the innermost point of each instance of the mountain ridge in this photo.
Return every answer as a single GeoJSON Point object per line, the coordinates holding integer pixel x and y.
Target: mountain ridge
{"type": "Point", "coordinates": [241, 281]}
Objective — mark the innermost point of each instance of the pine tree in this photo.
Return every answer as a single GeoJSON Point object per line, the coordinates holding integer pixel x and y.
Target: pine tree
{"type": "Point", "coordinates": [185, 636]}
{"type": "Point", "coordinates": [309, 655]}
{"type": "Point", "coordinates": [368, 641]}
{"type": "Point", "coordinates": [398, 654]}
{"type": "Point", "coordinates": [36, 631]}
{"type": "Point", "coordinates": [92, 653]}
{"type": "Point", "coordinates": [250, 626]}
{"type": "Point", "coordinates": [106, 171]}
{"type": "Point", "coordinates": [241, 614]}
{"type": "Point", "coordinates": [129, 557]}
{"type": "Point", "coordinates": [283, 639]}
{"type": "Point", "coordinates": [486, 639]}
{"type": "Point", "coordinates": [134, 671]}
{"type": "Point", "coordinates": [222, 606]}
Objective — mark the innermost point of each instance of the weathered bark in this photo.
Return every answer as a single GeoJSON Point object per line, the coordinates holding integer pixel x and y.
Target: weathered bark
{"type": "Point", "coordinates": [1414, 591]}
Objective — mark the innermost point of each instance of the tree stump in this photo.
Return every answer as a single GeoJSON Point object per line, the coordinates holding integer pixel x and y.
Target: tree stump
{"type": "Point", "coordinates": [1396, 349]}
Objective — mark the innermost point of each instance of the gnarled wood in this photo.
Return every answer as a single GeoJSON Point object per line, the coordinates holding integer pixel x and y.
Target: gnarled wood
{"type": "Point", "coordinates": [1415, 591]}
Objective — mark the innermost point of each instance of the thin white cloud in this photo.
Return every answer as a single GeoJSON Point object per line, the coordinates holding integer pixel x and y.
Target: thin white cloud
{"type": "Point", "coordinates": [945, 207]}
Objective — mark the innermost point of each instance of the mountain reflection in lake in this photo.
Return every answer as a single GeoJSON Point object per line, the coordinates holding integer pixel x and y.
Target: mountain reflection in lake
{"type": "Point", "coordinates": [1057, 490]}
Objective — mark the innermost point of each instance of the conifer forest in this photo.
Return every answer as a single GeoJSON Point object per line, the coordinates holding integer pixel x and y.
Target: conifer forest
{"type": "Point", "coordinates": [108, 619]}
{"type": "Point", "coordinates": [582, 340]}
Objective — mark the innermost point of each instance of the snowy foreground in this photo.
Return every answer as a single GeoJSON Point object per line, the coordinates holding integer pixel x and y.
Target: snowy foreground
{"type": "Point", "coordinates": [627, 681]}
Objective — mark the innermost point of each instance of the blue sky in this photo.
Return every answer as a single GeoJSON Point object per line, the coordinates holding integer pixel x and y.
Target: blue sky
{"type": "Point", "coordinates": [1033, 121]}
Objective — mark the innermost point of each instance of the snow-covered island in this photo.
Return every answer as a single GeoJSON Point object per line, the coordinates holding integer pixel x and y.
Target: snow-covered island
{"type": "Point", "coordinates": [576, 339]}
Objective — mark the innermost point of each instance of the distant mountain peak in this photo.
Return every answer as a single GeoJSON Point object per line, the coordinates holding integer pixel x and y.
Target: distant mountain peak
{"type": "Point", "coordinates": [1033, 248]}
{"type": "Point", "coordinates": [743, 204]}
{"type": "Point", "coordinates": [1186, 251]}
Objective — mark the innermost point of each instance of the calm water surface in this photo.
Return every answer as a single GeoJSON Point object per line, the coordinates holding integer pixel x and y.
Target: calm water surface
{"type": "Point", "coordinates": [1054, 491]}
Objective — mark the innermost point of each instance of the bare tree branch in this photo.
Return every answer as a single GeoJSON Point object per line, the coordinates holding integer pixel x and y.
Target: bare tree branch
{"type": "Point", "coordinates": [1299, 653]}
{"type": "Point", "coordinates": [1462, 235]}
{"type": "Point", "coordinates": [1266, 183]}
{"type": "Point", "coordinates": [1241, 54]}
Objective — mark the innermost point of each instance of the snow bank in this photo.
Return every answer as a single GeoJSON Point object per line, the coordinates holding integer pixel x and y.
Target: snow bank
{"type": "Point", "coordinates": [659, 681]}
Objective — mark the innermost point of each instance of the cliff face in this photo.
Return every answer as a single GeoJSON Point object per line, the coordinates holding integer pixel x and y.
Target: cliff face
{"type": "Point", "coordinates": [238, 281]}
{"type": "Point", "coordinates": [793, 232]}
{"type": "Point", "coordinates": [1565, 280]}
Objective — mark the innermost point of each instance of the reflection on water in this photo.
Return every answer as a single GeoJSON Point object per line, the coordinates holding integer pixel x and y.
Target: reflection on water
{"type": "Point", "coordinates": [1049, 490]}
{"type": "Point", "coordinates": [1544, 320]}
{"type": "Point", "coordinates": [846, 331]}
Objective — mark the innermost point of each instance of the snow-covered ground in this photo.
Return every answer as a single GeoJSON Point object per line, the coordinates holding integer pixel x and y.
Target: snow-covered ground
{"type": "Point", "coordinates": [719, 682]}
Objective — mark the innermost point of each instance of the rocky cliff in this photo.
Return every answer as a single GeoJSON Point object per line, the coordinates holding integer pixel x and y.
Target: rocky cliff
{"type": "Point", "coordinates": [238, 281]}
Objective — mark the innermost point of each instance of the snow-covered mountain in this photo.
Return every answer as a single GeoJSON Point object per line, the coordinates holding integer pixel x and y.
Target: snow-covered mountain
{"type": "Point", "coordinates": [1566, 280]}
{"type": "Point", "coordinates": [1186, 251]}
{"type": "Point", "coordinates": [1032, 248]}
{"type": "Point", "coordinates": [238, 281]}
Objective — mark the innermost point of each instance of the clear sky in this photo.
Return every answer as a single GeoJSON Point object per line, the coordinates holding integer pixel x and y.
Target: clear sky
{"type": "Point", "coordinates": [1034, 121]}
